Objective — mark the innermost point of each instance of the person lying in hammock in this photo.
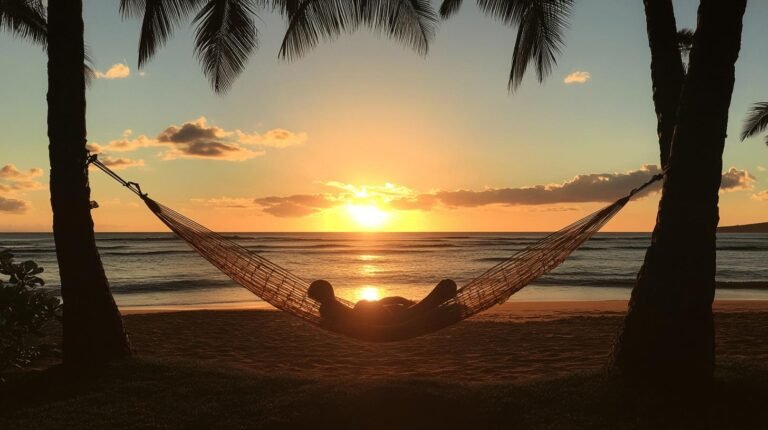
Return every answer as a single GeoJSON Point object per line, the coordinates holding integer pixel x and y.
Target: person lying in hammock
{"type": "Point", "coordinates": [388, 311]}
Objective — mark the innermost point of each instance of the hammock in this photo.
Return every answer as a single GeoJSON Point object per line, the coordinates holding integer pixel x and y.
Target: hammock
{"type": "Point", "coordinates": [288, 292]}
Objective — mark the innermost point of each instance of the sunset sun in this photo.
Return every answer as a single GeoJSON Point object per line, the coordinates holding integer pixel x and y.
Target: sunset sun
{"type": "Point", "coordinates": [368, 293]}
{"type": "Point", "coordinates": [367, 215]}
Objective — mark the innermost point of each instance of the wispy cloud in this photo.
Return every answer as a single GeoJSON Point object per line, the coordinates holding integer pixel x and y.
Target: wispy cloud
{"type": "Point", "coordinates": [577, 77]}
{"type": "Point", "coordinates": [761, 195]}
{"type": "Point", "coordinates": [298, 205]}
{"type": "Point", "coordinates": [120, 163]}
{"type": "Point", "coordinates": [117, 71]}
{"type": "Point", "coordinates": [13, 184]}
{"type": "Point", "coordinates": [228, 202]}
{"type": "Point", "coordinates": [12, 173]}
{"type": "Point", "coordinates": [275, 138]}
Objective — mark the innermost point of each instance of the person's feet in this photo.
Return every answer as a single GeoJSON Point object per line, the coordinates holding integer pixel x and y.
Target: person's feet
{"type": "Point", "coordinates": [443, 291]}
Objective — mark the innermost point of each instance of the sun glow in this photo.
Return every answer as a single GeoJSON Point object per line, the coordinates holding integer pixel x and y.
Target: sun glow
{"type": "Point", "coordinates": [368, 293]}
{"type": "Point", "coordinates": [367, 215]}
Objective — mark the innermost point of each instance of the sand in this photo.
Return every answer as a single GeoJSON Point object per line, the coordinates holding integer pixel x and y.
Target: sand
{"type": "Point", "coordinates": [516, 341]}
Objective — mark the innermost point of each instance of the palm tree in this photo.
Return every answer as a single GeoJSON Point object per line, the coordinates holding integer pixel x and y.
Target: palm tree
{"type": "Point", "coordinates": [668, 334]}
{"type": "Point", "coordinates": [226, 35]}
{"type": "Point", "coordinates": [93, 328]}
{"type": "Point", "coordinates": [756, 122]}
{"type": "Point", "coordinates": [25, 19]}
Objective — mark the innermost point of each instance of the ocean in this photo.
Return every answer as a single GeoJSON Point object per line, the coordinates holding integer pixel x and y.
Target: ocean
{"type": "Point", "coordinates": [156, 270]}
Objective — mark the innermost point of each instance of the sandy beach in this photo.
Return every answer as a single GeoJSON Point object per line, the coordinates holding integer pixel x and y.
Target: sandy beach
{"type": "Point", "coordinates": [515, 341]}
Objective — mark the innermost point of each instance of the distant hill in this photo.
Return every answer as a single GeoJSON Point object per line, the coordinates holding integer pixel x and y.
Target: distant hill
{"type": "Point", "coordinates": [761, 227]}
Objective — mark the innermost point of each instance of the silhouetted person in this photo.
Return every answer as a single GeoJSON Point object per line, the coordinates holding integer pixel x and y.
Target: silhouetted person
{"type": "Point", "coordinates": [387, 311]}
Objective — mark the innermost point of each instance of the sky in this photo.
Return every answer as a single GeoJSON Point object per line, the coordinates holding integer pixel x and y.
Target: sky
{"type": "Point", "coordinates": [363, 134]}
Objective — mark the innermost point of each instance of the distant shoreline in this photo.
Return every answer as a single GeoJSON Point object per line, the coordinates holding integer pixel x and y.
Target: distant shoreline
{"type": "Point", "coordinates": [761, 227]}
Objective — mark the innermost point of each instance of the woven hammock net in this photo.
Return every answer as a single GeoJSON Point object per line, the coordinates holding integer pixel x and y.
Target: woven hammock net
{"type": "Point", "coordinates": [288, 292]}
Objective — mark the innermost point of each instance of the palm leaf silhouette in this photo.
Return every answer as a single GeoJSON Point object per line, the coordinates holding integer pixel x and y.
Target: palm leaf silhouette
{"type": "Point", "coordinates": [225, 37]}
{"type": "Point", "coordinates": [411, 22]}
{"type": "Point", "coordinates": [540, 28]}
{"type": "Point", "coordinates": [25, 19]}
{"type": "Point", "coordinates": [756, 122]}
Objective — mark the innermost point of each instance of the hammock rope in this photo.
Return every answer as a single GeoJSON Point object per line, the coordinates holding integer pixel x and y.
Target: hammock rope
{"type": "Point", "coordinates": [288, 292]}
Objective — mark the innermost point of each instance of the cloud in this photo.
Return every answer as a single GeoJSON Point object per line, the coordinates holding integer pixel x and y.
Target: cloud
{"type": "Point", "coordinates": [14, 183]}
{"type": "Point", "coordinates": [593, 187]}
{"type": "Point", "coordinates": [559, 197]}
{"type": "Point", "coordinates": [422, 202]}
{"type": "Point", "coordinates": [120, 163]}
{"type": "Point", "coordinates": [736, 180]}
{"type": "Point", "coordinates": [228, 202]}
{"type": "Point", "coordinates": [297, 205]}
{"type": "Point", "coordinates": [191, 131]}
{"type": "Point", "coordinates": [761, 195]}
{"type": "Point", "coordinates": [11, 173]}
{"type": "Point", "coordinates": [275, 138]}
{"type": "Point", "coordinates": [10, 187]}
{"type": "Point", "coordinates": [13, 180]}
{"type": "Point", "coordinates": [577, 78]}
{"type": "Point", "coordinates": [13, 206]}
{"type": "Point", "coordinates": [126, 144]}
{"type": "Point", "coordinates": [198, 139]}
{"type": "Point", "coordinates": [761, 169]}
{"type": "Point", "coordinates": [117, 71]}
{"type": "Point", "coordinates": [211, 150]}
{"type": "Point", "coordinates": [588, 188]}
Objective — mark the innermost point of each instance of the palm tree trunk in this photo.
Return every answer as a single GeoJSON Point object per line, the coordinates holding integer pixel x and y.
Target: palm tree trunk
{"type": "Point", "coordinates": [668, 335]}
{"type": "Point", "coordinates": [93, 328]}
{"type": "Point", "coordinates": [667, 78]}
{"type": "Point", "coordinates": [667, 72]}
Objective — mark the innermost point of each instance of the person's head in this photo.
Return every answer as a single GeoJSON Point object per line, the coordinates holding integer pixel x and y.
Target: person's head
{"type": "Point", "coordinates": [322, 291]}
{"type": "Point", "coordinates": [446, 287]}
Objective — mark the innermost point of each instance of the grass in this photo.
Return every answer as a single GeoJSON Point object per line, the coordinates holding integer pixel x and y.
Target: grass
{"type": "Point", "coordinates": [152, 394]}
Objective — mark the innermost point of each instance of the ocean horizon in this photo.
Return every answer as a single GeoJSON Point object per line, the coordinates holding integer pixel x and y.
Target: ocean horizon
{"type": "Point", "coordinates": [157, 270]}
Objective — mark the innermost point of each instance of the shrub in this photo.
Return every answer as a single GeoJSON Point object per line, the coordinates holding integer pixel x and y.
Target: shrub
{"type": "Point", "coordinates": [24, 309]}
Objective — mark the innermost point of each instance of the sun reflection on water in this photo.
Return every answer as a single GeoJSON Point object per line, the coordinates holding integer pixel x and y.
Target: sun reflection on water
{"type": "Point", "coordinates": [369, 270]}
{"type": "Point", "coordinates": [368, 293]}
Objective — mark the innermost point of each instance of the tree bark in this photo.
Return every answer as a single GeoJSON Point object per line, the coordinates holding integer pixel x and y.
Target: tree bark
{"type": "Point", "coordinates": [667, 71]}
{"type": "Point", "coordinates": [668, 335]}
{"type": "Point", "coordinates": [93, 328]}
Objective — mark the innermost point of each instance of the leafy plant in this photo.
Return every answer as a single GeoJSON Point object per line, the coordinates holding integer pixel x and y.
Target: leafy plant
{"type": "Point", "coordinates": [24, 310]}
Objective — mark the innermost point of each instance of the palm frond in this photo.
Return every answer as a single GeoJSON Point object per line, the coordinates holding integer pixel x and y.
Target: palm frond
{"type": "Point", "coordinates": [411, 22]}
{"type": "Point", "coordinates": [539, 37]}
{"type": "Point", "coordinates": [449, 7]}
{"type": "Point", "coordinates": [224, 38]}
{"type": "Point", "coordinates": [756, 122]}
{"type": "Point", "coordinates": [25, 19]}
{"type": "Point", "coordinates": [159, 20]}
{"type": "Point", "coordinates": [89, 71]}
{"type": "Point", "coordinates": [286, 8]}
{"type": "Point", "coordinates": [510, 12]}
